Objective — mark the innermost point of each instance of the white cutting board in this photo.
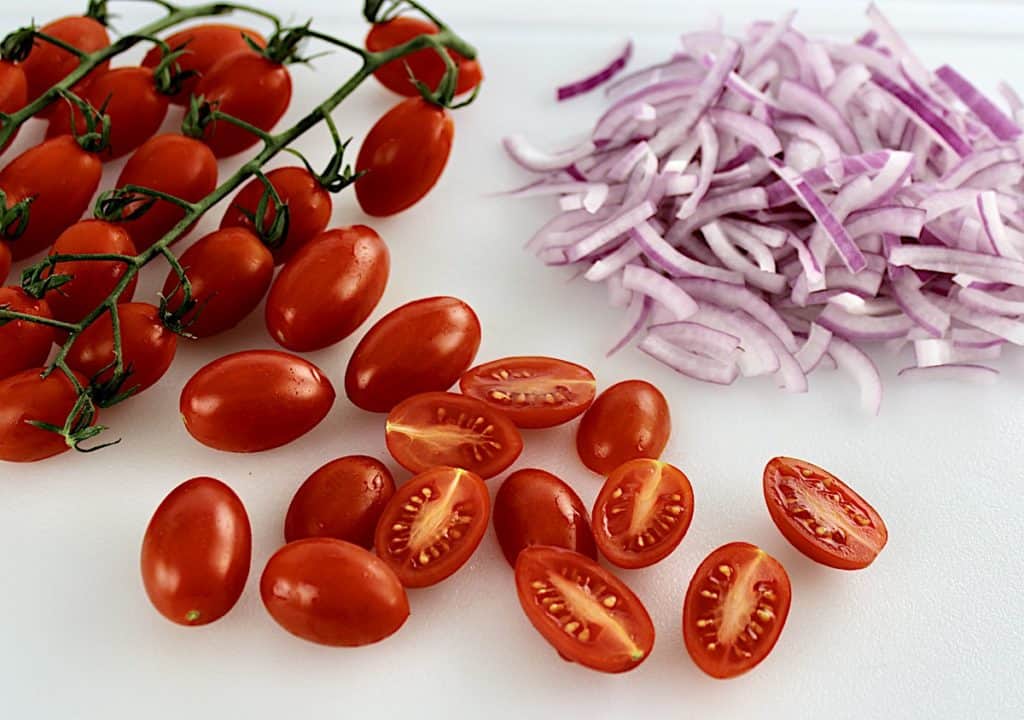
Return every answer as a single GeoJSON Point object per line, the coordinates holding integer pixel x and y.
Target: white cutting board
{"type": "Point", "coordinates": [932, 629]}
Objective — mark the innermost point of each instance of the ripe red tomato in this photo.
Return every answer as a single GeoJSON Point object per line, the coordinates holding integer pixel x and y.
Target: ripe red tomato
{"type": "Point", "coordinates": [328, 289]}
{"type": "Point", "coordinates": [735, 607]}
{"type": "Point", "coordinates": [5, 262]}
{"type": "Point", "coordinates": [255, 400]}
{"type": "Point", "coordinates": [587, 614]}
{"type": "Point", "coordinates": [230, 271]}
{"type": "Point", "coordinates": [205, 45]}
{"type": "Point", "coordinates": [146, 345]}
{"type": "Point", "coordinates": [821, 516]}
{"type": "Point", "coordinates": [23, 344]}
{"type": "Point", "coordinates": [13, 93]}
{"type": "Point", "coordinates": [629, 420]}
{"type": "Point", "coordinates": [173, 164]}
{"type": "Point", "coordinates": [27, 397]}
{"type": "Point", "coordinates": [62, 178]}
{"type": "Point", "coordinates": [423, 345]}
{"type": "Point", "coordinates": [249, 87]}
{"type": "Point", "coordinates": [439, 428]}
{"type": "Point", "coordinates": [196, 552]}
{"type": "Point", "coordinates": [403, 156]}
{"type": "Point", "coordinates": [433, 525]}
{"type": "Point", "coordinates": [309, 208]}
{"type": "Point", "coordinates": [92, 280]}
{"type": "Point", "coordinates": [48, 64]}
{"type": "Point", "coordinates": [533, 507]}
{"type": "Point", "coordinates": [425, 65]}
{"type": "Point", "coordinates": [535, 392]}
{"type": "Point", "coordinates": [642, 513]}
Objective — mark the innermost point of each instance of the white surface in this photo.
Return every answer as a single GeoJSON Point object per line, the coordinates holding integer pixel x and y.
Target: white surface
{"type": "Point", "coordinates": [932, 629]}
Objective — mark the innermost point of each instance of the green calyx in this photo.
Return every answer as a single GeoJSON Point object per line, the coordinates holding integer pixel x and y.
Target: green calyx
{"type": "Point", "coordinates": [17, 45]}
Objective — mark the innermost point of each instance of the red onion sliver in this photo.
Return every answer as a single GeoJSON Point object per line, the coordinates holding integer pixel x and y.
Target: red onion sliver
{"type": "Point", "coordinates": [610, 230]}
{"type": "Point", "coordinates": [674, 262]}
{"type": "Point", "coordinates": [636, 317]}
{"type": "Point", "coordinates": [813, 349]}
{"type": "Point", "coordinates": [980, 374]}
{"type": "Point", "coordinates": [599, 78]}
{"type": "Point", "coordinates": [739, 298]}
{"type": "Point", "coordinates": [1001, 126]}
{"type": "Point", "coordinates": [659, 288]}
{"type": "Point", "coordinates": [699, 339]}
{"type": "Point", "coordinates": [853, 361]}
{"type": "Point", "coordinates": [530, 158]}
{"type": "Point", "coordinates": [863, 327]}
{"type": "Point", "coordinates": [932, 352]}
{"type": "Point", "coordinates": [688, 363]}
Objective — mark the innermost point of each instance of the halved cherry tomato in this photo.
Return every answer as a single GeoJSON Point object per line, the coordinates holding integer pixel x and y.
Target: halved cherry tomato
{"type": "Point", "coordinates": [334, 593]}
{"type": "Point", "coordinates": [5, 262]}
{"type": "Point", "coordinates": [821, 516]}
{"type": "Point", "coordinates": [229, 271]}
{"type": "Point", "coordinates": [255, 400]}
{"type": "Point", "coordinates": [48, 64]}
{"type": "Point", "coordinates": [173, 164]}
{"type": "Point", "coordinates": [249, 87]}
{"type": "Point", "coordinates": [328, 289]}
{"type": "Point", "coordinates": [196, 552]}
{"type": "Point", "coordinates": [587, 614]}
{"type": "Point", "coordinates": [735, 608]}
{"type": "Point", "coordinates": [439, 428]}
{"type": "Point", "coordinates": [535, 392]}
{"type": "Point", "coordinates": [27, 397]}
{"type": "Point", "coordinates": [13, 93]}
{"type": "Point", "coordinates": [309, 208]}
{"type": "Point", "coordinates": [403, 156]}
{"type": "Point", "coordinates": [423, 345]}
{"type": "Point", "coordinates": [424, 65]}
{"type": "Point", "coordinates": [533, 507]}
{"type": "Point", "coordinates": [433, 525]}
{"type": "Point", "coordinates": [343, 500]}
{"type": "Point", "coordinates": [629, 420]}
{"type": "Point", "coordinates": [24, 344]}
{"type": "Point", "coordinates": [642, 513]}
{"type": "Point", "coordinates": [204, 46]}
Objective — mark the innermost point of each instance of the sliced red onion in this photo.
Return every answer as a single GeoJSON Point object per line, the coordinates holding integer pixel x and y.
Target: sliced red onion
{"type": "Point", "coordinates": [992, 222]}
{"type": "Point", "coordinates": [709, 159]}
{"type": "Point", "coordinates": [609, 231]}
{"type": "Point", "coordinates": [733, 259]}
{"type": "Point", "coordinates": [1001, 126]}
{"type": "Point", "coordinates": [666, 257]}
{"type": "Point", "coordinates": [801, 100]}
{"type": "Point", "coordinates": [924, 116]}
{"type": "Point", "coordinates": [980, 374]}
{"type": "Point", "coordinates": [600, 77]}
{"type": "Point", "coordinates": [757, 356]}
{"type": "Point", "coordinates": [738, 298]}
{"type": "Point", "coordinates": [758, 134]}
{"type": "Point", "coordinates": [618, 295]}
{"type": "Point", "coordinates": [1003, 327]}
{"type": "Point", "coordinates": [932, 352]}
{"type": "Point", "coordinates": [951, 260]}
{"type": "Point", "coordinates": [637, 313]}
{"type": "Point", "coordinates": [853, 361]}
{"type": "Point", "coordinates": [813, 349]}
{"type": "Point", "coordinates": [699, 339]}
{"type": "Point", "coordinates": [933, 319]}
{"type": "Point", "coordinates": [863, 327]}
{"type": "Point", "coordinates": [660, 289]}
{"type": "Point", "coordinates": [530, 158]}
{"type": "Point", "coordinates": [990, 302]}
{"type": "Point", "coordinates": [894, 219]}
{"type": "Point", "coordinates": [610, 264]}
{"type": "Point", "coordinates": [688, 363]}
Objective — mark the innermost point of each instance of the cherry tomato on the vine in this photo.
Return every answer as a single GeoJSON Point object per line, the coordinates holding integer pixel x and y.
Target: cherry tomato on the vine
{"type": "Point", "coordinates": [425, 65]}
{"type": "Point", "coordinates": [48, 64]}
{"type": "Point", "coordinates": [196, 552]}
{"type": "Point", "coordinates": [629, 420]}
{"type": "Point", "coordinates": [24, 344]}
{"type": "Point", "coordinates": [5, 261]}
{"type": "Point", "coordinates": [26, 398]}
{"type": "Point", "coordinates": [13, 93]}
{"type": "Point", "coordinates": [403, 156]}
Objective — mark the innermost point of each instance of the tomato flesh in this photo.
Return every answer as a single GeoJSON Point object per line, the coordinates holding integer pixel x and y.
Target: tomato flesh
{"type": "Point", "coordinates": [629, 420]}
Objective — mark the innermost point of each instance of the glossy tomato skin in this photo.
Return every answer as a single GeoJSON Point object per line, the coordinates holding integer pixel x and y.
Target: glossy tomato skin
{"type": "Point", "coordinates": [48, 64]}
{"type": "Point", "coordinates": [328, 289]}
{"type": "Point", "coordinates": [92, 280]}
{"type": "Point", "coordinates": [612, 633]}
{"type": "Point", "coordinates": [822, 516]}
{"type": "Point", "coordinates": [629, 420]}
{"type": "Point", "coordinates": [230, 271]}
{"type": "Point", "coordinates": [247, 86]}
{"type": "Point", "coordinates": [255, 400]}
{"type": "Point", "coordinates": [5, 262]}
{"type": "Point", "coordinates": [403, 156]}
{"type": "Point", "coordinates": [439, 428]}
{"type": "Point", "coordinates": [738, 580]}
{"type": "Point", "coordinates": [196, 552]}
{"type": "Point", "coordinates": [535, 392]}
{"type": "Point", "coordinates": [425, 65]}
{"type": "Point", "coordinates": [533, 507]}
{"type": "Point", "coordinates": [309, 208]}
{"type": "Point", "coordinates": [333, 593]}
{"type": "Point", "coordinates": [13, 93]}
{"type": "Point", "coordinates": [421, 346]}
{"type": "Point", "coordinates": [205, 45]}
{"type": "Point", "coordinates": [24, 344]}
{"type": "Point", "coordinates": [26, 397]}
{"type": "Point", "coordinates": [433, 525]}
{"type": "Point", "coordinates": [173, 164]}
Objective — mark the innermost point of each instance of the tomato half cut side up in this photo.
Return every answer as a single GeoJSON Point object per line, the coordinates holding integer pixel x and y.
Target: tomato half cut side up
{"type": "Point", "coordinates": [735, 608]}
{"type": "Point", "coordinates": [821, 516]}
{"type": "Point", "coordinates": [587, 614]}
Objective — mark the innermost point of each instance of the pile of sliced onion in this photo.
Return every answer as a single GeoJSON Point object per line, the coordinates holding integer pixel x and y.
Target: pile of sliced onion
{"type": "Point", "coordinates": [772, 204]}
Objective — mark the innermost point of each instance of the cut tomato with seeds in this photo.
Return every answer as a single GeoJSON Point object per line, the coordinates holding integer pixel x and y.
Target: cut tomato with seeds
{"type": "Point", "coordinates": [642, 513]}
{"type": "Point", "coordinates": [821, 516]}
{"type": "Point", "coordinates": [535, 392]}
{"type": "Point", "coordinates": [433, 524]}
{"type": "Point", "coordinates": [587, 614]}
{"type": "Point", "coordinates": [735, 609]}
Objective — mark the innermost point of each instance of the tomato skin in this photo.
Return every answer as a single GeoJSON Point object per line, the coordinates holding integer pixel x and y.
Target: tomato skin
{"type": "Point", "coordinates": [629, 420]}
{"type": "Point", "coordinates": [48, 64]}
{"type": "Point", "coordinates": [13, 96]}
{"type": "Point", "coordinates": [230, 271]}
{"type": "Point", "coordinates": [421, 346]}
{"type": "Point", "coordinates": [173, 164]}
{"type": "Point", "coordinates": [5, 262]}
{"type": "Point", "coordinates": [534, 507]}
{"type": "Point", "coordinates": [205, 45]}
{"type": "Point", "coordinates": [333, 593]}
{"type": "Point", "coordinates": [520, 386]}
{"type": "Point", "coordinates": [621, 642]}
{"type": "Point", "coordinates": [403, 156]}
{"type": "Point", "coordinates": [852, 547]}
{"type": "Point", "coordinates": [196, 552]}
{"type": "Point", "coordinates": [27, 396]}
{"type": "Point", "coordinates": [24, 344]}
{"type": "Point", "coordinates": [328, 289]}
{"type": "Point", "coordinates": [255, 400]}
{"type": "Point", "coordinates": [250, 87]}
{"type": "Point", "coordinates": [425, 64]}
{"type": "Point", "coordinates": [452, 512]}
